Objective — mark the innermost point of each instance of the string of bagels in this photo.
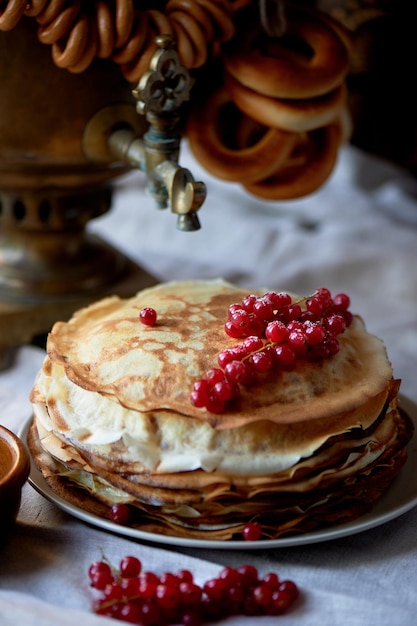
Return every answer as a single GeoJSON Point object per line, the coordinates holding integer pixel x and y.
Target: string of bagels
{"type": "Point", "coordinates": [273, 114]}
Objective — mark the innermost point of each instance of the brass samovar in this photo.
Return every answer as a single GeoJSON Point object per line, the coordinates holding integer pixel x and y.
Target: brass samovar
{"type": "Point", "coordinates": [70, 126]}
{"type": "Point", "coordinates": [64, 137]}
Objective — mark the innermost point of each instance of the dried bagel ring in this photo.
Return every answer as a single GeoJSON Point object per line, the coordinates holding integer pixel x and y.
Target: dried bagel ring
{"type": "Point", "coordinates": [137, 41]}
{"type": "Point", "coordinates": [186, 51]}
{"type": "Point", "coordinates": [71, 52]}
{"type": "Point", "coordinates": [215, 140]}
{"type": "Point", "coordinates": [294, 115]}
{"type": "Point", "coordinates": [308, 61]}
{"type": "Point", "coordinates": [106, 37]}
{"type": "Point", "coordinates": [60, 26]}
{"type": "Point", "coordinates": [35, 7]}
{"type": "Point", "coordinates": [196, 35]}
{"type": "Point", "coordinates": [50, 11]}
{"type": "Point", "coordinates": [89, 51]}
{"type": "Point", "coordinates": [197, 12]}
{"type": "Point", "coordinates": [133, 70]}
{"type": "Point", "coordinates": [344, 33]}
{"type": "Point", "coordinates": [309, 166]}
{"type": "Point", "coordinates": [11, 14]}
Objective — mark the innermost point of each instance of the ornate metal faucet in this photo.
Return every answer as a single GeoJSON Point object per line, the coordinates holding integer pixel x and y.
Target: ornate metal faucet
{"type": "Point", "coordinates": [160, 94]}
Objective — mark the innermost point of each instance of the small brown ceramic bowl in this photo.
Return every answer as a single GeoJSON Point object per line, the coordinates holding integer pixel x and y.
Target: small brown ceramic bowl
{"type": "Point", "coordinates": [14, 471]}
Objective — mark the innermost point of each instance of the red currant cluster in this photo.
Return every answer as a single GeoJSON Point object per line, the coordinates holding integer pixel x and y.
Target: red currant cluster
{"type": "Point", "coordinates": [142, 597]}
{"type": "Point", "coordinates": [276, 332]}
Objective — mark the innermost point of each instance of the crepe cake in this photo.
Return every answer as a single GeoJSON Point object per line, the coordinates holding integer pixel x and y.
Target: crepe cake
{"type": "Point", "coordinates": [298, 450]}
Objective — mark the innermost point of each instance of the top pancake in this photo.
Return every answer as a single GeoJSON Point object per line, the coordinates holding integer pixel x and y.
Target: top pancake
{"type": "Point", "coordinates": [105, 348]}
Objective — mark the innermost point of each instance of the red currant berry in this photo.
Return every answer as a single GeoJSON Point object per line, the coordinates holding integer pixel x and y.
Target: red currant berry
{"type": "Point", "coordinates": [225, 390]}
{"type": "Point", "coordinates": [295, 325]}
{"type": "Point", "coordinates": [252, 531]}
{"type": "Point", "coordinates": [236, 595]}
{"type": "Point", "coordinates": [230, 575]}
{"type": "Point", "coordinates": [248, 302]}
{"type": "Point", "coordinates": [225, 357]}
{"type": "Point", "coordinates": [184, 575]}
{"type": "Point", "coordinates": [328, 348]}
{"type": "Point", "coordinates": [211, 608]}
{"type": "Point", "coordinates": [149, 577]}
{"type": "Point", "coordinates": [314, 333]}
{"type": "Point", "coordinates": [121, 514]}
{"type": "Point", "coordinates": [200, 394]}
{"type": "Point", "coordinates": [262, 594]}
{"type": "Point", "coordinates": [250, 606]}
{"type": "Point", "coordinates": [150, 614]}
{"type": "Point", "coordinates": [201, 385]}
{"type": "Point", "coordinates": [148, 582]}
{"type": "Point", "coordinates": [272, 297]}
{"type": "Point", "coordinates": [232, 309]}
{"type": "Point", "coordinates": [131, 587]}
{"type": "Point", "coordinates": [335, 323]}
{"type": "Point", "coordinates": [294, 311]}
{"type": "Point", "coordinates": [240, 319]}
{"type": "Point", "coordinates": [113, 591]}
{"type": "Point", "coordinates": [147, 590]}
{"type": "Point", "coordinates": [283, 299]}
{"type": "Point", "coordinates": [261, 361]}
{"type": "Point", "coordinates": [168, 578]}
{"type": "Point", "coordinates": [167, 596]}
{"type": "Point", "coordinates": [253, 343]}
{"type": "Point", "coordinates": [233, 331]}
{"type": "Point", "coordinates": [215, 588]}
{"type": "Point", "coordinates": [281, 600]}
{"type": "Point", "coordinates": [129, 612]}
{"type": "Point", "coordinates": [190, 593]}
{"type": "Point", "coordinates": [99, 566]}
{"type": "Point", "coordinates": [263, 308]}
{"type": "Point", "coordinates": [271, 579]}
{"type": "Point", "coordinates": [100, 574]}
{"type": "Point", "coordinates": [333, 345]}
{"type": "Point", "coordinates": [348, 317]}
{"type": "Point", "coordinates": [316, 305]}
{"type": "Point", "coordinates": [236, 372]}
{"type": "Point", "coordinates": [191, 618]}
{"type": "Point", "coordinates": [297, 341]}
{"type": "Point", "coordinates": [278, 300]}
{"type": "Point", "coordinates": [285, 356]}
{"type": "Point", "coordinates": [103, 608]}
{"type": "Point", "coordinates": [256, 326]}
{"type": "Point", "coordinates": [239, 352]}
{"type": "Point", "coordinates": [214, 376]}
{"type": "Point", "coordinates": [269, 296]}
{"type": "Point", "coordinates": [290, 587]}
{"type": "Point", "coordinates": [130, 567]}
{"type": "Point", "coordinates": [308, 316]}
{"type": "Point", "coordinates": [215, 404]}
{"type": "Point", "coordinates": [276, 331]}
{"type": "Point", "coordinates": [248, 575]}
{"type": "Point", "coordinates": [148, 316]}
{"type": "Point", "coordinates": [341, 302]}
{"type": "Point", "coordinates": [324, 294]}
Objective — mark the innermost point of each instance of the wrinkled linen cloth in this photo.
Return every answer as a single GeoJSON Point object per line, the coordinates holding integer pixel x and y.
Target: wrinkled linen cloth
{"type": "Point", "coordinates": [357, 234]}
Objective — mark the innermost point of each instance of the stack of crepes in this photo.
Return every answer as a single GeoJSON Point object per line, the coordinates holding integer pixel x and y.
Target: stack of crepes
{"type": "Point", "coordinates": [300, 449]}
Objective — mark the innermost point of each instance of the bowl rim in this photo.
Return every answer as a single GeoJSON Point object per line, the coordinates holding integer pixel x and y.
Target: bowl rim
{"type": "Point", "coordinates": [18, 471]}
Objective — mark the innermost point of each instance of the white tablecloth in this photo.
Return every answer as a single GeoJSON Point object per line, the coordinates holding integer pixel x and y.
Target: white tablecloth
{"type": "Point", "coordinates": [358, 234]}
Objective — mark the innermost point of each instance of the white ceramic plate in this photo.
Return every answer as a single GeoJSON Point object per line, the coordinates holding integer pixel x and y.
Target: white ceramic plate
{"type": "Point", "coordinates": [400, 498]}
